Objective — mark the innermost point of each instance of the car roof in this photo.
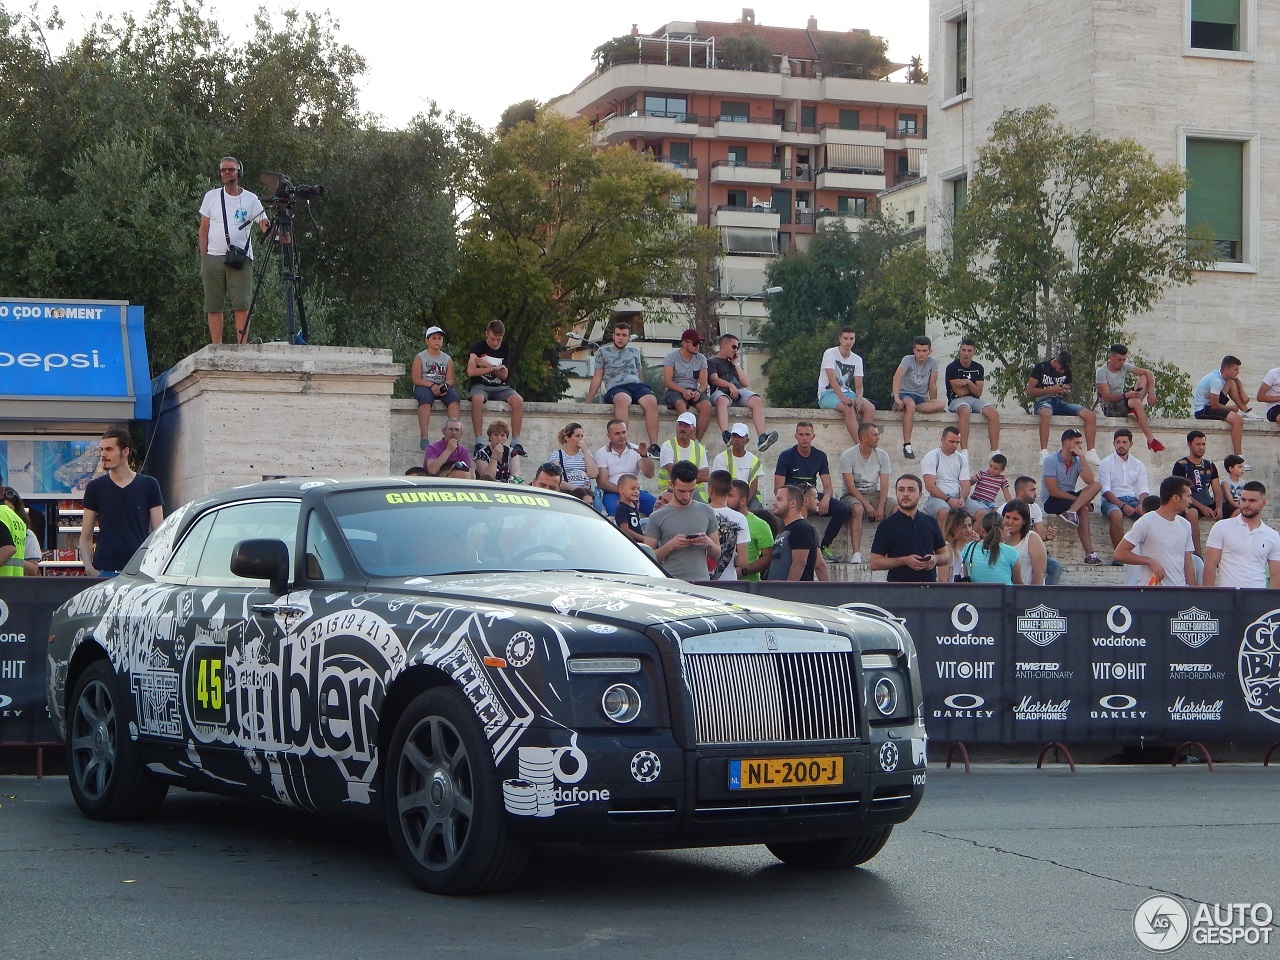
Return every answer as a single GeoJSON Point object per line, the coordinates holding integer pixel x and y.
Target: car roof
{"type": "Point", "coordinates": [297, 486]}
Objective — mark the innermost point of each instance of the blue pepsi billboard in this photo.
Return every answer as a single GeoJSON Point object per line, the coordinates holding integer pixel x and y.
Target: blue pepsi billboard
{"type": "Point", "coordinates": [73, 360]}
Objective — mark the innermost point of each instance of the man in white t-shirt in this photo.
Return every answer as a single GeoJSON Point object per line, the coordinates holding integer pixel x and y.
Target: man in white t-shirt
{"type": "Point", "coordinates": [840, 383]}
{"type": "Point", "coordinates": [226, 215]}
{"type": "Point", "coordinates": [615, 460]}
{"type": "Point", "coordinates": [1269, 392]}
{"type": "Point", "coordinates": [1161, 541]}
{"type": "Point", "coordinates": [735, 534]}
{"type": "Point", "coordinates": [945, 469]}
{"type": "Point", "coordinates": [739, 462]}
{"type": "Point", "coordinates": [865, 469]}
{"type": "Point", "coordinates": [1242, 550]}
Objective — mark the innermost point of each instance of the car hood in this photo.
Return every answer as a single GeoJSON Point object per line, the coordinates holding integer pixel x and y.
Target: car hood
{"type": "Point", "coordinates": [674, 608]}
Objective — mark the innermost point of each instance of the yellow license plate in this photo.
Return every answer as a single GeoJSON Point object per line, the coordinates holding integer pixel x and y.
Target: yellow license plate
{"type": "Point", "coordinates": [774, 774]}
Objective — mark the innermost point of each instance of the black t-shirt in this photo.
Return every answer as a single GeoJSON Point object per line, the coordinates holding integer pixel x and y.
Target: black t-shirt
{"type": "Point", "coordinates": [482, 349]}
{"type": "Point", "coordinates": [1045, 376]}
{"type": "Point", "coordinates": [796, 535]}
{"type": "Point", "coordinates": [971, 373]}
{"type": "Point", "coordinates": [627, 517]}
{"type": "Point", "coordinates": [1200, 474]}
{"type": "Point", "coordinates": [796, 469]}
{"type": "Point", "coordinates": [124, 517]}
{"type": "Point", "coordinates": [901, 536]}
{"type": "Point", "coordinates": [722, 368]}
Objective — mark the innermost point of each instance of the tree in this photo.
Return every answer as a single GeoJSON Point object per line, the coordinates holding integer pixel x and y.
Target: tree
{"type": "Point", "coordinates": [624, 49]}
{"type": "Point", "coordinates": [916, 73]}
{"type": "Point", "coordinates": [559, 231]}
{"type": "Point", "coordinates": [859, 56]}
{"type": "Point", "coordinates": [841, 278]}
{"type": "Point", "coordinates": [526, 111]}
{"type": "Point", "coordinates": [742, 51]}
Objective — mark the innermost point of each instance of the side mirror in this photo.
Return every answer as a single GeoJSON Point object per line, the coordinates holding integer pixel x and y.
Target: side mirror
{"type": "Point", "coordinates": [262, 560]}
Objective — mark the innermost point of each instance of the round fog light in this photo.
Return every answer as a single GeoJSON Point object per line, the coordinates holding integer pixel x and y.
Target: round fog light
{"type": "Point", "coordinates": [885, 696]}
{"type": "Point", "coordinates": [621, 703]}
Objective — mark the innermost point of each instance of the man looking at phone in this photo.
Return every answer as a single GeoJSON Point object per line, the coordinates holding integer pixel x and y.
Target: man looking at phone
{"type": "Point", "coordinates": [687, 530]}
{"type": "Point", "coordinates": [909, 543]}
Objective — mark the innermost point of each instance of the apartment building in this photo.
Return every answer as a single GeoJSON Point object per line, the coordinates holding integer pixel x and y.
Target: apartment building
{"type": "Point", "coordinates": [768, 154]}
{"type": "Point", "coordinates": [1193, 81]}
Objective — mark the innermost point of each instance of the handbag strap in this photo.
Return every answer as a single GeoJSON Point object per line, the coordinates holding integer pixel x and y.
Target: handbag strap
{"type": "Point", "coordinates": [966, 557]}
{"type": "Point", "coordinates": [225, 231]}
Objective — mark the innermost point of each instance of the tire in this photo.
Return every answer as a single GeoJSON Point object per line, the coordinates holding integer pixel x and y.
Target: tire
{"type": "Point", "coordinates": [832, 854]}
{"type": "Point", "coordinates": [104, 766]}
{"type": "Point", "coordinates": [444, 806]}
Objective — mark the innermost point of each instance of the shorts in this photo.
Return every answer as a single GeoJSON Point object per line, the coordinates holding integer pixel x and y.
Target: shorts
{"type": "Point", "coordinates": [1273, 413]}
{"type": "Point", "coordinates": [1058, 504]}
{"type": "Point", "coordinates": [1212, 413]}
{"type": "Point", "coordinates": [931, 505]}
{"type": "Point", "coordinates": [673, 397]}
{"type": "Point", "coordinates": [1115, 408]}
{"type": "Point", "coordinates": [1108, 507]}
{"type": "Point", "coordinates": [219, 282]}
{"type": "Point", "coordinates": [913, 397]}
{"type": "Point", "coordinates": [1058, 407]}
{"type": "Point", "coordinates": [976, 404]}
{"type": "Point", "coordinates": [830, 400]}
{"type": "Point", "coordinates": [743, 396]}
{"type": "Point", "coordinates": [1204, 496]}
{"type": "Point", "coordinates": [488, 392]}
{"type": "Point", "coordinates": [890, 504]}
{"type": "Point", "coordinates": [636, 391]}
{"type": "Point", "coordinates": [973, 505]}
{"type": "Point", "coordinates": [426, 398]}
{"type": "Point", "coordinates": [1228, 511]}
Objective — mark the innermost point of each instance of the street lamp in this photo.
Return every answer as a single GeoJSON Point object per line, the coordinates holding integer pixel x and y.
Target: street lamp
{"type": "Point", "coordinates": [742, 298]}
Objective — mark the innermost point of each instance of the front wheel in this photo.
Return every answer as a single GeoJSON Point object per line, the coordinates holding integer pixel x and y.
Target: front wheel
{"type": "Point", "coordinates": [445, 813]}
{"type": "Point", "coordinates": [832, 854]}
{"type": "Point", "coordinates": [108, 778]}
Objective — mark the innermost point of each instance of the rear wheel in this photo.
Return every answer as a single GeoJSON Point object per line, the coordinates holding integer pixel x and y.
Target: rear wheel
{"type": "Point", "coordinates": [108, 778]}
{"type": "Point", "coordinates": [445, 813]}
{"type": "Point", "coordinates": [832, 854]}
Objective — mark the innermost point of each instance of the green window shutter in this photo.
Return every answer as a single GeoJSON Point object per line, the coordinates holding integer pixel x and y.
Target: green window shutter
{"type": "Point", "coordinates": [1216, 195]}
{"type": "Point", "coordinates": [1216, 11]}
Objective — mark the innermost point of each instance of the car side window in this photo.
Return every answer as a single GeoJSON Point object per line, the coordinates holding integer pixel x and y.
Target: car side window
{"type": "Point", "coordinates": [186, 558]}
{"type": "Point", "coordinates": [320, 561]}
{"type": "Point", "coordinates": [273, 519]}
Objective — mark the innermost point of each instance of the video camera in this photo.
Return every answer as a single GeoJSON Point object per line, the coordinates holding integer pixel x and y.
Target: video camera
{"type": "Point", "coordinates": [284, 191]}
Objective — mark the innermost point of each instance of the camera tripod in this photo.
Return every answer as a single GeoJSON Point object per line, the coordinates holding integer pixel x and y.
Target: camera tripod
{"type": "Point", "coordinates": [283, 243]}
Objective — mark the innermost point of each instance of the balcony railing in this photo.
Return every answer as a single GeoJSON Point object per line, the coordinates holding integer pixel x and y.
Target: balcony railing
{"type": "Point", "coordinates": [863, 127]}
{"type": "Point", "coordinates": [753, 164]}
{"type": "Point", "coordinates": [680, 163]}
{"type": "Point", "coordinates": [754, 208]}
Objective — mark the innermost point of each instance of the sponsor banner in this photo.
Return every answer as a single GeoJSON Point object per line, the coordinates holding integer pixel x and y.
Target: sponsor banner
{"type": "Point", "coordinates": [1033, 664]}
{"type": "Point", "coordinates": [26, 607]}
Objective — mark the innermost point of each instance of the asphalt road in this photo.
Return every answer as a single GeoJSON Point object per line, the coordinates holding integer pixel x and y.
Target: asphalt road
{"type": "Point", "coordinates": [1005, 862]}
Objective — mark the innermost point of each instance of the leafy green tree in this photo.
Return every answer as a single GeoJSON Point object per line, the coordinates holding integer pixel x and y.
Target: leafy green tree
{"type": "Point", "coordinates": [1062, 236]}
{"type": "Point", "coordinates": [624, 49]}
{"type": "Point", "coordinates": [558, 231]}
{"type": "Point", "coordinates": [742, 51]}
{"type": "Point", "coordinates": [841, 278]}
{"type": "Point", "coordinates": [859, 56]}
{"type": "Point", "coordinates": [916, 73]}
{"type": "Point", "coordinates": [526, 111]}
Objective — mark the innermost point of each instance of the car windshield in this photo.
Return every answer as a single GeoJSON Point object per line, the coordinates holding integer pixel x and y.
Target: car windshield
{"type": "Point", "coordinates": [469, 528]}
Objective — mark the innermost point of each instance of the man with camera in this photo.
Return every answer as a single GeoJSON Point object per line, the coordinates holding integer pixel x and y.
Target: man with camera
{"type": "Point", "coordinates": [226, 254]}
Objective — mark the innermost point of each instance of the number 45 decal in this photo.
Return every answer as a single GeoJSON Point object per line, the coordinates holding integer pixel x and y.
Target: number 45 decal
{"type": "Point", "coordinates": [206, 684]}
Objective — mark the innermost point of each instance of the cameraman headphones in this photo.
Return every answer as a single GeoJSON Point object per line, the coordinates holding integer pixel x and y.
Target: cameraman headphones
{"type": "Point", "coordinates": [239, 167]}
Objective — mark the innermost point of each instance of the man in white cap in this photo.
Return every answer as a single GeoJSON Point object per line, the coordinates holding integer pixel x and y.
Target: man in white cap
{"type": "Point", "coordinates": [739, 462]}
{"type": "Point", "coordinates": [684, 447]}
{"type": "Point", "coordinates": [433, 379]}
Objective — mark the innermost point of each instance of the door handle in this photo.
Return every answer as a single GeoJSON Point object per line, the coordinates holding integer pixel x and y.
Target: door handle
{"type": "Point", "coordinates": [285, 609]}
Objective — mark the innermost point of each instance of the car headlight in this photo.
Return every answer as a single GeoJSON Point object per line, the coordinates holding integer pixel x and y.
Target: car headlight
{"type": "Point", "coordinates": [885, 697]}
{"type": "Point", "coordinates": [621, 703]}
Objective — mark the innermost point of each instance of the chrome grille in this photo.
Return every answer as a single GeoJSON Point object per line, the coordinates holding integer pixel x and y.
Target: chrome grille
{"type": "Point", "coordinates": [772, 697]}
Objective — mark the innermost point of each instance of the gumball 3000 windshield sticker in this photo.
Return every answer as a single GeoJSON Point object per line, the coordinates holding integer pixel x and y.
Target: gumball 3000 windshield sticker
{"type": "Point", "coordinates": [1260, 666]}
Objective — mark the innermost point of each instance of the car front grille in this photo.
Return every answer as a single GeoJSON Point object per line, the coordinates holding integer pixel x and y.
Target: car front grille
{"type": "Point", "coordinates": [772, 697]}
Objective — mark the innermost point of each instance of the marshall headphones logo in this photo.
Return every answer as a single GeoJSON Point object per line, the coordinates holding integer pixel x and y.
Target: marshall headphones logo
{"type": "Point", "coordinates": [1260, 666]}
{"type": "Point", "coordinates": [1194, 627]}
{"type": "Point", "coordinates": [1042, 625]}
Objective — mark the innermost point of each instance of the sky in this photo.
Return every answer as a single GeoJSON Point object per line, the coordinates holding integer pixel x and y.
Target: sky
{"type": "Point", "coordinates": [477, 58]}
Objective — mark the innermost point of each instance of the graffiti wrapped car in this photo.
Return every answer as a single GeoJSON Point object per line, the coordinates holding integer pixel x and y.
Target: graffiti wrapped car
{"type": "Point", "coordinates": [485, 667]}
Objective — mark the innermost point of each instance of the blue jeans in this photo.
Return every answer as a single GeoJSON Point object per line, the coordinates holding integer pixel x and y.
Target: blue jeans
{"type": "Point", "coordinates": [1052, 572]}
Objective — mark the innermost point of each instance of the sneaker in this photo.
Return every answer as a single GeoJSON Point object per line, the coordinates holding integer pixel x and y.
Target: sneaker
{"type": "Point", "coordinates": [1155, 446]}
{"type": "Point", "coordinates": [1116, 563]}
{"type": "Point", "coordinates": [1044, 453]}
{"type": "Point", "coordinates": [1070, 517]}
{"type": "Point", "coordinates": [724, 435]}
{"type": "Point", "coordinates": [766, 440]}
{"type": "Point", "coordinates": [908, 452]}
{"type": "Point", "coordinates": [1253, 416]}
{"type": "Point", "coordinates": [516, 451]}
{"type": "Point", "coordinates": [1093, 458]}
{"type": "Point", "coordinates": [856, 558]}
{"type": "Point", "coordinates": [425, 443]}
{"type": "Point", "coordinates": [830, 556]}
{"type": "Point", "coordinates": [1247, 465]}
{"type": "Point", "coordinates": [994, 453]}
{"type": "Point", "coordinates": [1093, 560]}
{"type": "Point", "coordinates": [482, 453]}
{"type": "Point", "coordinates": [655, 451]}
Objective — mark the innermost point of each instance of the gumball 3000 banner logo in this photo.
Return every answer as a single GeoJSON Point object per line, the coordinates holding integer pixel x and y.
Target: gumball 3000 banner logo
{"type": "Point", "coordinates": [1260, 666]}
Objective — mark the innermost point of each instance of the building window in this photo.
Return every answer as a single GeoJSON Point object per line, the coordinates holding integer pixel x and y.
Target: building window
{"type": "Point", "coordinates": [962, 56]}
{"type": "Point", "coordinates": [1215, 24]}
{"type": "Point", "coordinates": [734, 111]}
{"type": "Point", "coordinates": [959, 190]}
{"type": "Point", "coordinates": [848, 119]}
{"type": "Point", "coordinates": [851, 206]}
{"type": "Point", "coordinates": [663, 105]}
{"type": "Point", "coordinates": [737, 156]}
{"type": "Point", "coordinates": [911, 217]}
{"type": "Point", "coordinates": [808, 119]}
{"type": "Point", "coordinates": [736, 198]}
{"type": "Point", "coordinates": [1215, 198]}
{"type": "Point", "coordinates": [955, 54]}
{"type": "Point", "coordinates": [677, 151]}
{"type": "Point", "coordinates": [907, 124]}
